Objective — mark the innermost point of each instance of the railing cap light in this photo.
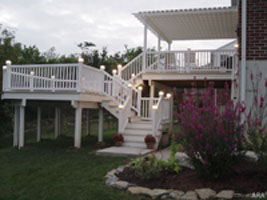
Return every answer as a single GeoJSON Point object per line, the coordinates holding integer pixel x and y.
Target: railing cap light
{"type": "Point", "coordinates": [121, 106]}
{"type": "Point", "coordinates": [32, 73]}
{"type": "Point", "coordinates": [161, 93]}
{"type": "Point", "coordinates": [8, 62]}
{"type": "Point", "coordinates": [119, 66]}
{"type": "Point", "coordinates": [168, 95]}
{"type": "Point", "coordinates": [130, 85]}
{"type": "Point", "coordinates": [80, 60]}
{"type": "Point", "coordinates": [102, 67]}
{"type": "Point", "coordinates": [114, 71]}
{"type": "Point", "coordinates": [154, 107]}
{"type": "Point", "coordinates": [53, 77]}
{"type": "Point", "coordinates": [4, 67]}
{"type": "Point", "coordinates": [140, 88]}
{"type": "Point", "coordinates": [133, 75]}
{"type": "Point", "coordinates": [236, 46]}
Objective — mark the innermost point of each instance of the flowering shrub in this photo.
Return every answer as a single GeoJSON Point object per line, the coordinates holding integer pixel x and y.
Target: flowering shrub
{"type": "Point", "coordinates": [150, 139]}
{"type": "Point", "coordinates": [118, 138]}
{"type": "Point", "coordinates": [256, 119]}
{"type": "Point", "coordinates": [211, 134]}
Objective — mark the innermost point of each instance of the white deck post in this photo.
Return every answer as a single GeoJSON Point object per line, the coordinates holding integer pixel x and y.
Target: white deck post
{"type": "Point", "coordinates": [88, 124]}
{"type": "Point", "coordinates": [21, 125]}
{"type": "Point", "coordinates": [39, 124]}
{"type": "Point", "coordinates": [100, 125]}
{"type": "Point", "coordinates": [243, 49]}
{"type": "Point", "coordinates": [16, 127]}
{"type": "Point", "coordinates": [57, 122]}
{"type": "Point", "coordinates": [145, 47]}
{"type": "Point", "coordinates": [78, 126]}
{"type": "Point", "coordinates": [169, 46]}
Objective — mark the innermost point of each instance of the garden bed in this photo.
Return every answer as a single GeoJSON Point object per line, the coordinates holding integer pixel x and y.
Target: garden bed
{"type": "Point", "coordinates": [245, 177]}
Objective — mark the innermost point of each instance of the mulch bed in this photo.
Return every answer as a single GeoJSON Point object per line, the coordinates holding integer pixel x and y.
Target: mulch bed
{"type": "Point", "coordinates": [244, 178]}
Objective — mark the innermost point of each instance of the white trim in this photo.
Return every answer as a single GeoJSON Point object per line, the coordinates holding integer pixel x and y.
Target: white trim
{"type": "Point", "coordinates": [244, 54]}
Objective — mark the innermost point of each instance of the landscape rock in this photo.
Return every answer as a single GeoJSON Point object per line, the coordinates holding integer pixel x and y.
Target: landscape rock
{"type": "Point", "coordinates": [110, 173]}
{"type": "Point", "coordinates": [165, 197]}
{"type": "Point", "coordinates": [111, 180]}
{"type": "Point", "coordinates": [157, 193]}
{"type": "Point", "coordinates": [251, 156]}
{"type": "Point", "coordinates": [205, 193]}
{"type": "Point", "coordinates": [225, 194]}
{"type": "Point", "coordinates": [184, 160]}
{"type": "Point", "coordinates": [140, 191]}
{"type": "Point", "coordinates": [176, 194]}
{"type": "Point", "coordinates": [122, 185]}
{"type": "Point", "coordinates": [238, 195]}
{"type": "Point", "coordinates": [190, 195]}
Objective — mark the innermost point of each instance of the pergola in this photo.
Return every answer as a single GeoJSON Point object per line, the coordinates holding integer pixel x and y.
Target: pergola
{"type": "Point", "coordinates": [190, 24]}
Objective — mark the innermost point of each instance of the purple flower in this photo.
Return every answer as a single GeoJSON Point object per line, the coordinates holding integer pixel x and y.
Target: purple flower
{"type": "Point", "coordinates": [251, 76]}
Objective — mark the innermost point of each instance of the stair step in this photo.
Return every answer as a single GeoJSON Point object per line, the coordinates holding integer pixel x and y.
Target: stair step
{"type": "Point", "coordinates": [134, 144]}
{"type": "Point", "coordinates": [134, 138]}
{"type": "Point", "coordinates": [134, 125]}
{"type": "Point", "coordinates": [137, 132]}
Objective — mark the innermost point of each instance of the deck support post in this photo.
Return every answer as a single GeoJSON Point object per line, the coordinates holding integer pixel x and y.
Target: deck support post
{"type": "Point", "coordinates": [39, 124]}
{"type": "Point", "coordinates": [21, 125]}
{"type": "Point", "coordinates": [100, 125]}
{"type": "Point", "coordinates": [16, 127]}
{"type": "Point", "coordinates": [145, 47]}
{"type": "Point", "coordinates": [57, 122]}
{"type": "Point", "coordinates": [88, 123]}
{"type": "Point", "coordinates": [169, 46]}
{"type": "Point", "coordinates": [78, 126]}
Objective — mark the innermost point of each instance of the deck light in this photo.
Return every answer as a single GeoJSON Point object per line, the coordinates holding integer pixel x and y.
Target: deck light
{"type": "Point", "coordinates": [168, 95]}
{"type": "Point", "coordinates": [130, 85]}
{"type": "Point", "coordinates": [4, 67]}
{"type": "Point", "coordinates": [32, 73]}
{"type": "Point", "coordinates": [102, 67]}
{"type": "Point", "coordinates": [8, 62]}
{"type": "Point", "coordinates": [121, 106]}
{"type": "Point", "coordinates": [53, 77]}
{"type": "Point", "coordinates": [80, 60]}
{"type": "Point", "coordinates": [236, 46]}
{"type": "Point", "coordinates": [154, 107]}
{"type": "Point", "coordinates": [140, 88]}
{"type": "Point", "coordinates": [114, 71]}
{"type": "Point", "coordinates": [119, 66]}
{"type": "Point", "coordinates": [133, 75]}
{"type": "Point", "coordinates": [161, 93]}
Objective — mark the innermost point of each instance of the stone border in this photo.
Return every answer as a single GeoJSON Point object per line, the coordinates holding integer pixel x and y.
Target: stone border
{"type": "Point", "coordinates": [202, 194]}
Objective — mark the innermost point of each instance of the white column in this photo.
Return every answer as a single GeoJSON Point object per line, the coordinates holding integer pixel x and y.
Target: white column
{"type": "Point", "coordinates": [78, 126]}
{"type": "Point", "coordinates": [100, 125]}
{"type": "Point", "coordinates": [39, 124]}
{"type": "Point", "coordinates": [169, 46]}
{"type": "Point", "coordinates": [152, 89]}
{"type": "Point", "coordinates": [16, 127]}
{"type": "Point", "coordinates": [244, 47]}
{"type": "Point", "coordinates": [145, 46]}
{"type": "Point", "coordinates": [88, 124]}
{"type": "Point", "coordinates": [21, 125]}
{"type": "Point", "coordinates": [159, 46]}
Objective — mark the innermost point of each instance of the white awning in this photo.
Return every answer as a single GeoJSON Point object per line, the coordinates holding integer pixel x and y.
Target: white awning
{"type": "Point", "coordinates": [192, 24]}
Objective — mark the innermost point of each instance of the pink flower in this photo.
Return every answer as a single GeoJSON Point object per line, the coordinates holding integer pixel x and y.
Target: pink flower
{"type": "Point", "coordinates": [251, 76]}
{"type": "Point", "coordinates": [205, 78]}
{"type": "Point", "coordinates": [195, 78]}
{"type": "Point", "coordinates": [266, 83]}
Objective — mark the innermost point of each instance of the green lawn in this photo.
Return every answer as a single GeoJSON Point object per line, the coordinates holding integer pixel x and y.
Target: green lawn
{"type": "Point", "coordinates": [52, 169]}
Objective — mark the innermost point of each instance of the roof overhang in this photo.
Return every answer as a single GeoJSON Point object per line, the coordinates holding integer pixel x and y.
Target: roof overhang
{"type": "Point", "coordinates": [192, 24]}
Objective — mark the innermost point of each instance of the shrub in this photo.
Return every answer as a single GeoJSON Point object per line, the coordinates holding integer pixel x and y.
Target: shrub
{"type": "Point", "coordinates": [211, 134]}
{"type": "Point", "coordinates": [256, 136]}
{"type": "Point", "coordinates": [150, 139]}
{"type": "Point", "coordinates": [118, 138]}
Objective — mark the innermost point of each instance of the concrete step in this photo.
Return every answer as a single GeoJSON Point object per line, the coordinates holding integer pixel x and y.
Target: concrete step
{"type": "Point", "coordinates": [135, 125]}
{"type": "Point", "coordinates": [123, 151]}
{"type": "Point", "coordinates": [134, 144]}
{"type": "Point", "coordinates": [137, 132]}
{"type": "Point", "coordinates": [134, 138]}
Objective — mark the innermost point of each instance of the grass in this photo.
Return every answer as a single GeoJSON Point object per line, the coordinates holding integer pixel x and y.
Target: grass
{"type": "Point", "coordinates": [53, 169]}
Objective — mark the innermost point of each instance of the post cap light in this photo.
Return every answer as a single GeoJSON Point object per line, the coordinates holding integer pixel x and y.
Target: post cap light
{"type": "Point", "coordinates": [168, 95]}
{"type": "Point", "coordinates": [32, 73]}
{"type": "Point", "coordinates": [161, 93]}
{"type": "Point", "coordinates": [119, 66]}
{"type": "Point", "coordinates": [236, 46]}
{"type": "Point", "coordinates": [53, 77]}
{"type": "Point", "coordinates": [154, 107]}
{"type": "Point", "coordinates": [140, 88]}
{"type": "Point", "coordinates": [133, 75]}
{"type": "Point", "coordinates": [130, 85]}
{"type": "Point", "coordinates": [102, 67]}
{"type": "Point", "coordinates": [114, 71]}
{"type": "Point", "coordinates": [80, 60]}
{"type": "Point", "coordinates": [121, 106]}
{"type": "Point", "coordinates": [4, 67]}
{"type": "Point", "coordinates": [8, 62]}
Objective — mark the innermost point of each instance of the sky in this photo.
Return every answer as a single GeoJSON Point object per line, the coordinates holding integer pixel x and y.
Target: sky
{"type": "Point", "coordinates": [63, 24]}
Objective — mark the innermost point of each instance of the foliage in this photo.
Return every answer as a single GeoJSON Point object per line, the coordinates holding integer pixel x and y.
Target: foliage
{"type": "Point", "coordinates": [256, 119]}
{"type": "Point", "coordinates": [211, 134]}
{"type": "Point", "coordinates": [150, 139]}
{"type": "Point", "coordinates": [118, 138]}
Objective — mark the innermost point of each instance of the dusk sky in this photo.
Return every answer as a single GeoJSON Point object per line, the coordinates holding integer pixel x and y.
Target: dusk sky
{"type": "Point", "coordinates": [65, 23]}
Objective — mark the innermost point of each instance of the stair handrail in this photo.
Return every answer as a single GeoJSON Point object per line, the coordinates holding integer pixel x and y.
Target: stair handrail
{"type": "Point", "coordinates": [124, 114]}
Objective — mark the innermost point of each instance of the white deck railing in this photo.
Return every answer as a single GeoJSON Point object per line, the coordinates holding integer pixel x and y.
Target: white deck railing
{"type": "Point", "coordinates": [191, 61]}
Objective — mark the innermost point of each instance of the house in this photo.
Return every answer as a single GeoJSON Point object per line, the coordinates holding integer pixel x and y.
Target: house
{"type": "Point", "coordinates": [139, 94]}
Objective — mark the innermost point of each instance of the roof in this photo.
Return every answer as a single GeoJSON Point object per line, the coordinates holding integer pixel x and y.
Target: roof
{"type": "Point", "coordinates": [192, 24]}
